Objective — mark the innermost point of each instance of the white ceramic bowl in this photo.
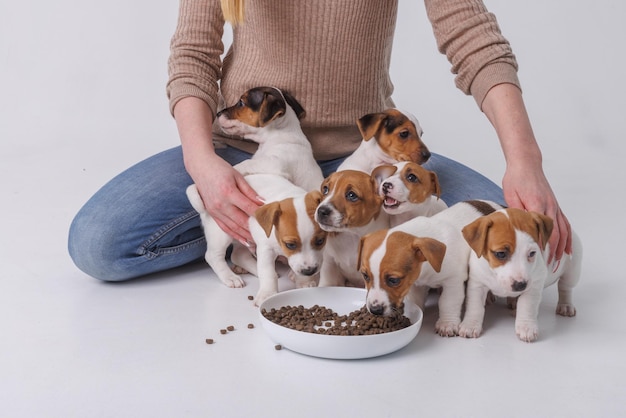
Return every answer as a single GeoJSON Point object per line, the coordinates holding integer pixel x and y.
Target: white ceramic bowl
{"type": "Point", "coordinates": [342, 300]}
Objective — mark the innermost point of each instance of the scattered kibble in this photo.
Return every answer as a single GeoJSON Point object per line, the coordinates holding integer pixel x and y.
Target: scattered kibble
{"type": "Point", "coordinates": [250, 326]}
{"type": "Point", "coordinates": [250, 297]}
{"type": "Point", "coordinates": [223, 331]}
{"type": "Point", "coordinates": [209, 340]}
{"type": "Point", "coordinates": [230, 328]}
{"type": "Point", "coordinates": [278, 347]}
{"type": "Point", "coordinates": [322, 320]}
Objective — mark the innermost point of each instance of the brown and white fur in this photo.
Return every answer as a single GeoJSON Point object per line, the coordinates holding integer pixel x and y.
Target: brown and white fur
{"type": "Point", "coordinates": [388, 137]}
{"type": "Point", "coordinates": [409, 190]}
{"type": "Point", "coordinates": [509, 258]}
{"type": "Point", "coordinates": [392, 263]}
{"type": "Point", "coordinates": [282, 227]}
{"type": "Point", "coordinates": [350, 208]}
{"type": "Point", "coordinates": [270, 117]}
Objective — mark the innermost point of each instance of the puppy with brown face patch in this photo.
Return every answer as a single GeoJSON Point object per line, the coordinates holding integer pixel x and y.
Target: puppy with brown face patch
{"type": "Point", "coordinates": [409, 190]}
{"type": "Point", "coordinates": [350, 208]}
{"type": "Point", "coordinates": [284, 226]}
{"type": "Point", "coordinates": [271, 118]}
{"type": "Point", "coordinates": [509, 258]}
{"type": "Point", "coordinates": [388, 137]}
{"type": "Point", "coordinates": [420, 254]}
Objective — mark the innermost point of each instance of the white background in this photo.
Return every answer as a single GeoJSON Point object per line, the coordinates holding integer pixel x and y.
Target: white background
{"type": "Point", "coordinates": [82, 97]}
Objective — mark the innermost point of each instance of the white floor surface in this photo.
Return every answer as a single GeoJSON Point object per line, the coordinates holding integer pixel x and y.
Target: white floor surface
{"type": "Point", "coordinates": [83, 98]}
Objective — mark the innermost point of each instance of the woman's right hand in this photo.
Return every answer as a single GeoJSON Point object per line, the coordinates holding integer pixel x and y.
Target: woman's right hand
{"type": "Point", "coordinates": [228, 198]}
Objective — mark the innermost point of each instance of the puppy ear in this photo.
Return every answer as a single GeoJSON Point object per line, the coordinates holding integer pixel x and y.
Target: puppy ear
{"type": "Point", "coordinates": [436, 189]}
{"type": "Point", "coordinates": [475, 234]}
{"type": "Point", "coordinates": [359, 251]}
{"type": "Point", "coordinates": [369, 124]}
{"type": "Point", "coordinates": [273, 107]}
{"type": "Point", "coordinates": [544, 225]}
{"type": "Point", "coordinates": [267, 216]}
{"type": "Point", "coordinates": [312, 201]}
{"type": "Point", "coordinates": [382, 172]}
{"type": "Point", "coordinates": [431, 250]}
{"type": "Point", "coordinates": [295, 105]}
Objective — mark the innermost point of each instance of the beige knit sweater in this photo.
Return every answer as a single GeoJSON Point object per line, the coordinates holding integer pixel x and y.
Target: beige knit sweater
{"type": "Point", "coordinates": [332, 55]}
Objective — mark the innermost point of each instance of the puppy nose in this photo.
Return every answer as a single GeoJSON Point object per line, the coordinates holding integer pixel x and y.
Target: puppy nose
{"type": "Point", "coordinates": [376, 309]}
{"type": "Point", "coordinates": [387, 186]}
{"type": "Point", "coordinates": [425, 155]}
{"type": "Point", "coordinates": [308, 271]}
{"type": "Point", "coordinates": [323, 211]}
{"type": "Point", "coordinates": [519, 286]}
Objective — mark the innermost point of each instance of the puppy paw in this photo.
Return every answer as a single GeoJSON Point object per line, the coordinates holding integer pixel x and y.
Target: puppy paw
{"type": "Point", "coordinates": [470, 330]}
{"type": "Point", "coordinates": [447, 328]}
{"type": "Point", "coordinates": [261, 296]}
{"type": "Point", "coordinates": [527, 332]}
{"type": "Point", "coordinates": [233, 281]}
{"type": "Point", "coordinates": [565, 309]}
{"type": "Point", "coordinates": [239, 270]}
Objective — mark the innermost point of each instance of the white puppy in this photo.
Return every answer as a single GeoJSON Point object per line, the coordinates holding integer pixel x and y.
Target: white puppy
{"type": "Point", "coordinates": [409, 190]}
{"type": "Point", "coordinates": [509, 258]}
{"type": "Point", "coordinates": [282, 227]}
{"type": "Point", "coordinates": [388, 137]}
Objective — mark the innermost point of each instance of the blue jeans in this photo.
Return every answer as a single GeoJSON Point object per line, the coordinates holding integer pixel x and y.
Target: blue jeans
{"type": "Point", "coordinates": [141, 221]}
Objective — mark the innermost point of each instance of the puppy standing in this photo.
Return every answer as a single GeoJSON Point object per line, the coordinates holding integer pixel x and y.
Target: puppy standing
{"type": "Point", "coordinates": [392, 263]}
{"type": "Point", "coordinates": [409, 190]}
{"type": "Point", "coordinates": [388, 137]}
{"type": "Point", "coordinates": [270, 117]}
{"type": "Point", "coordinates": [510, 250]}
{"type": "Point", "coordinates": [350, 208]}
{"type": "Point", "coordinates": [283, 227]}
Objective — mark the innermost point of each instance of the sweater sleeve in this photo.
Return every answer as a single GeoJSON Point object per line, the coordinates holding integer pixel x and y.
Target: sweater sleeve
{"type": "Point", "coordinates": [195, 65]}
{"type": "Point", "coordinates": [470, 38]}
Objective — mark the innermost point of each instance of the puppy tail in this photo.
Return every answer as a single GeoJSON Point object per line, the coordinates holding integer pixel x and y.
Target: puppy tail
{"type": "Point", "coordinates": [195, 199]}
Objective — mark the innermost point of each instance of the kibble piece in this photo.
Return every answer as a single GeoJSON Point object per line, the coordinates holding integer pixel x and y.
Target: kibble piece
{"type": "Point", "coordinates": [209, 340]}
{"type": "Point", "coordinates": [250, 297]}
{"type": "Point", "coordinates": [223, 331]}
{"type": "Point", "coordinates": [250, 326]}
{"type": "Point", "coordinates": [230, 328]}
{"type": "Point", "coordinates": [278, 347]}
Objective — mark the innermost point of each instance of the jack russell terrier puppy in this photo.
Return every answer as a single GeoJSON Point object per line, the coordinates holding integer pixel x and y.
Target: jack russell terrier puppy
{"type": "Point", "coordinates": [271, 118]}
{"type": "Point", "coordinates": [409, 190]}
{"type": "Point", "coordinates": [388, 137]}
{"type": "Point", "coordinates": [350, 208]}
{"type": "Point", "coordinates": [420, 254]}
{"type": "Point", "coordinates": [282, 227]}
{"type": "Point", "coordinates": [509, 258]}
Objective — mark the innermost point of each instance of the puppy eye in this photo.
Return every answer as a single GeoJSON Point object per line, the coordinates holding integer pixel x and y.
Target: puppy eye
{"type": "Point", "coordinates": [291, 245]}
{"type": "Point", "coordinates": [404, 134]}
{"type": "Point", "coordinates": [500, 255]}
{"type": "Point", "coordinates": [366, 277]}
{"type": "Point", "coordinates": [320, 241]}
{"type": "Point", "coordinates": [412, 178]}
{"type": "Point", "coordinates": [240, 103]}
{"type": "Point", "coordinates": [392, 281]}
{"type": "Point", "coordinates": [351, 196]}
{"type": "Point", "coordinates": [532, 254]}
{"type": "Point", "coordinates": [325, 190]}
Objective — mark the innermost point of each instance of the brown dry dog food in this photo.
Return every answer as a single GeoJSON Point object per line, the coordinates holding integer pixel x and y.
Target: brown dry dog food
{"type": "Point", "coordinates": [322, 320]}
{"type": "Point", "coordinates": [209, 340]}
{"type": "Point", "coordinates": [230, 328]}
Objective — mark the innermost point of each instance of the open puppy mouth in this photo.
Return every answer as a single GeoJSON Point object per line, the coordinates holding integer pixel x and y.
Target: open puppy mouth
{"type": "Point", "coordinates": [391, 203]}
